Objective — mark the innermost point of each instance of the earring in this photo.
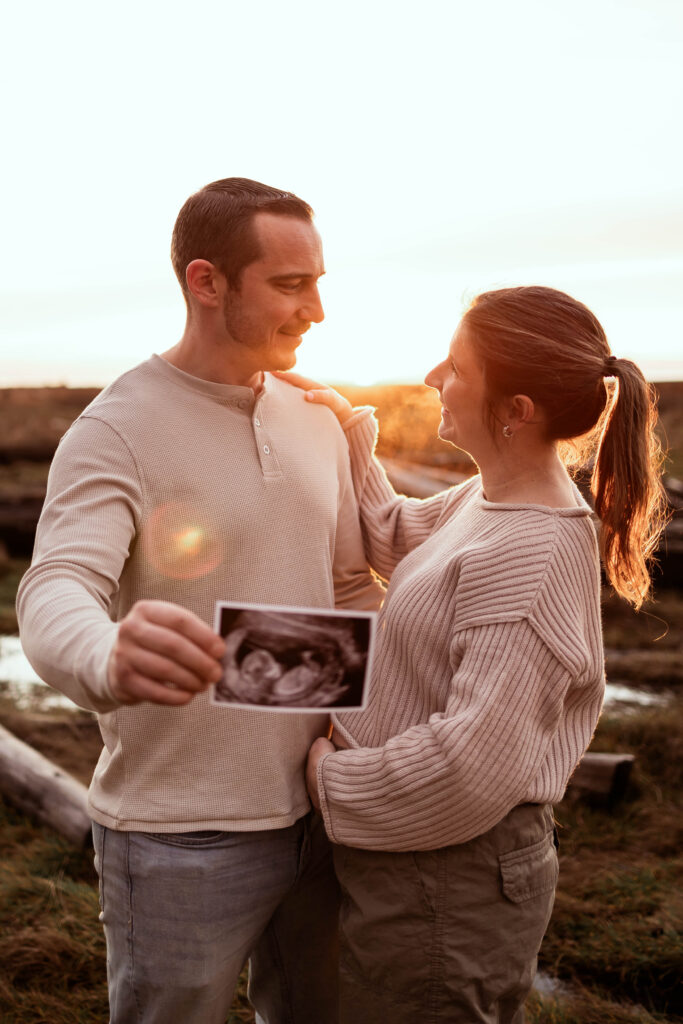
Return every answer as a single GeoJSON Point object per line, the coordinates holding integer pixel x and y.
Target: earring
{"type": "Point", "coordinates": [507, 430]}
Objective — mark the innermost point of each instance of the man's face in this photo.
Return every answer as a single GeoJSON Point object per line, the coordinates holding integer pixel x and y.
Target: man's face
{"type": "Point", "coordinates": [278, 296]}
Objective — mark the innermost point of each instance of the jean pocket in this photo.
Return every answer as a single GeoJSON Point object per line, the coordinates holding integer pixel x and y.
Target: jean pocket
{"type": "Point", "coordinates": [530, 871]}
{"type": "Point", "coordinates": [188, 839]}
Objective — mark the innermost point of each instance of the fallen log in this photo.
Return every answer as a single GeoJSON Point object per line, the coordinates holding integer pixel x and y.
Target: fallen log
{"type": "Point", "coordinates": [42, 790]}
{"type": "Point", "coordinates": [601, 776]}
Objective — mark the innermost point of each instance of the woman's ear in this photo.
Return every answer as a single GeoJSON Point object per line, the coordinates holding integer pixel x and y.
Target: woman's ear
{"type": "Point", "coordinates": [203, 282]}
{"type": "Point", "coordinates": [517, 411]}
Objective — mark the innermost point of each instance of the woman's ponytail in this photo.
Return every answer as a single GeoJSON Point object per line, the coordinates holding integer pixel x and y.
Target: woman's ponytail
{"type": "Point", "coordinates": [626, 482]}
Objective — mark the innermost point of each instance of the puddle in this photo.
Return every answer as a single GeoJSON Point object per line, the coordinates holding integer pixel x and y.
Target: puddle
{"type": "Point", "coordinates": [618, 694]}
{"type": "Point", "coordinates": [20, 684]}
{"type": "Point", "coordinates": [547, 985]}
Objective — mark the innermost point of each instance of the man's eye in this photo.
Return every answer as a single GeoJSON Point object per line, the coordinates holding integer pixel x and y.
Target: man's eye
{"type": "Point", "coordinates": [290, 286]}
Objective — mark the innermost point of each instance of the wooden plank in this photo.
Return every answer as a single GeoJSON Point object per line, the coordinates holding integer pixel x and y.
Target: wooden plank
{"type": "Point", "coordinates": [604, 776]}
{"type": "Point", "coordinates": [419, 481]}
{"type": "Point", "coordinates": [42, 790]}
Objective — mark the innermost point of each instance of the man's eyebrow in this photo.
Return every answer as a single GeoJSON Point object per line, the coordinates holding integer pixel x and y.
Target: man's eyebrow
{"type": "Point", "coordinates": [294, 276]}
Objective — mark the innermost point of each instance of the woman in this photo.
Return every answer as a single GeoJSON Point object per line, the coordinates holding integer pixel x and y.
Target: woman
{"type": "Point", "coordinates": [488, 676]}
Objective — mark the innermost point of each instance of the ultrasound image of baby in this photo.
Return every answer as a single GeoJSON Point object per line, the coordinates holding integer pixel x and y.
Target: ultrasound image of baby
{"type": "Point", "coordinates": [279, 660]}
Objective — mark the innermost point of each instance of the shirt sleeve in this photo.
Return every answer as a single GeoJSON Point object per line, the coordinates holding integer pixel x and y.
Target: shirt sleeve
{"type": "Point", "coordinates": [66, 599]}
{"type": "Point", "coordinates": [392, 523]}
{"type": "Point", "coordinates": [455, 776]}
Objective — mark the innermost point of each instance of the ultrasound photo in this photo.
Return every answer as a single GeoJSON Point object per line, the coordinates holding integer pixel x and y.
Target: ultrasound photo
{"type": "Point", "coordinates": [294, 659]}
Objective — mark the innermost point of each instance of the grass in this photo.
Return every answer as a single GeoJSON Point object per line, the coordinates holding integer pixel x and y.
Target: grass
{"type": "Point", "coordinates": [52, 950]}
{"type": "Point", "coordinates": [51, 945]}
{"type": "Point", "coordinates": [617, 927]}
{"type": "Point", "coordinates": [585, 1007]}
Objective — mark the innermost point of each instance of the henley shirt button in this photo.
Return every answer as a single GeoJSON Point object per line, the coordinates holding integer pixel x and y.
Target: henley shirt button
{"type": "Point", "coordinates": [266, 449]}
{"type": "Point", "coordinates": [257, 422]}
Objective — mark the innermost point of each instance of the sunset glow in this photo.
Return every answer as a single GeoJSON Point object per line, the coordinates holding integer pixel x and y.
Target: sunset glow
{"type": "Point", "coordinates": [525, 145]}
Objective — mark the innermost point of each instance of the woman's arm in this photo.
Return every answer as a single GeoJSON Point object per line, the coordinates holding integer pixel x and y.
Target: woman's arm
{"type": "Point", "coordinates": [456, 775]}
{"type": "Point", "coordinates": [392, 523]}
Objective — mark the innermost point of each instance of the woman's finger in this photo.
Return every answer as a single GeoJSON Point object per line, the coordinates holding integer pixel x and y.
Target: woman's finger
{"type": "Point", "coordinates": [298, 380]}
{"type": "Point", "coordinates": [322, 394]}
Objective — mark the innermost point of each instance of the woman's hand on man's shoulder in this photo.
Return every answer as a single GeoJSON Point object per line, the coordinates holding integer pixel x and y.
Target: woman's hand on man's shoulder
{"type": "Point", "coordinates": [321, 394]}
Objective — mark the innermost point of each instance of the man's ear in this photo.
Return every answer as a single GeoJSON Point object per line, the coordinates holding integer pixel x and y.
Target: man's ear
{"type": "Point", "coordinates": [204, 282]}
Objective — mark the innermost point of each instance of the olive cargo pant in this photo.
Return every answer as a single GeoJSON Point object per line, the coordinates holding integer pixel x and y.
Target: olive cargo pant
{"type": "Point", "coordinates": [447, 936]}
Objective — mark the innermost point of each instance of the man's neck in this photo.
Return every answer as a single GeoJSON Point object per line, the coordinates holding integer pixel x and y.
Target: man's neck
{"type": "Point", "coordinates": [209, 361]}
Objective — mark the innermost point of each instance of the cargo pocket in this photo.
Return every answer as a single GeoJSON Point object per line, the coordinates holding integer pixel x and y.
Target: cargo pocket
{"type": "Point", "coordinates": [531, 871]}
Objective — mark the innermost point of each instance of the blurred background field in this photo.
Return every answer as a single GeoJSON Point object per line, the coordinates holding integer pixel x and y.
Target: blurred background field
{"type": "Point", "coordinates": [614, 950]}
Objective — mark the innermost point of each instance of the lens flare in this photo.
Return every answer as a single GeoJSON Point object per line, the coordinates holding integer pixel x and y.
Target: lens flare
{"type": "Point", "coordinates": [180, 543]}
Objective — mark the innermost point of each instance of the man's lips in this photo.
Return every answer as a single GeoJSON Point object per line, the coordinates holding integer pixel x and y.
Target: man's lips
{"type": "Point", "coordinates": [295, 333]}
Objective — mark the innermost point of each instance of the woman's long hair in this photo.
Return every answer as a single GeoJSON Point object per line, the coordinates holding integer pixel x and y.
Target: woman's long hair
{"type": "Point", "coordinates": [540, 342]}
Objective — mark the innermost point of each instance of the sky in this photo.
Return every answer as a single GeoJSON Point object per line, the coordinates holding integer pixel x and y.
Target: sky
{"type": "Point", "coordinates": [446, 147]}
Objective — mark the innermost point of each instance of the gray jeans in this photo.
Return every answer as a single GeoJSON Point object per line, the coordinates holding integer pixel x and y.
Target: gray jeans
{"type": "Point", "coordinates": [447, 936]}
{"type": "Point", "coordinates": [182, 912]}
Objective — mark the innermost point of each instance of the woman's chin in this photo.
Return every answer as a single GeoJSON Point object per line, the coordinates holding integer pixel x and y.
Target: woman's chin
{"type": "Point", "coordinates": [445, 431]}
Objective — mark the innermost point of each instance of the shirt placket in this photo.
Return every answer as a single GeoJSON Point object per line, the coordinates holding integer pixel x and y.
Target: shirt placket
{"type": "Point", "coordinates": [270, 467]}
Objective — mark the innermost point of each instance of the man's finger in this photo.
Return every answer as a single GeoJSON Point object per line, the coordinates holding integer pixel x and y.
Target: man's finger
{"type": "Point", "coordinates": [142, 635]}
{"type": "Point", "coordinates": [136, 688]}
{"type": "Point", "coordinates": [180, 620]}
{"type": "Point", "coordinates": [164, 670]}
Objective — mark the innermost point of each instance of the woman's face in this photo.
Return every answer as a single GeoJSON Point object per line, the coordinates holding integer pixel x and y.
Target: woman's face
{"type": "Point", "coordinates": [459, 380]}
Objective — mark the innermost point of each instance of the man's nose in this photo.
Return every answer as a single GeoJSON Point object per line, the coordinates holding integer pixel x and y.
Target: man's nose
{"type": "Point", "coordinates": [313, 307]}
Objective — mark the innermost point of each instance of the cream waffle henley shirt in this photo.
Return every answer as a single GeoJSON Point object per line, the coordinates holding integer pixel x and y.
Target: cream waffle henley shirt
{"type": "Point", "coordinates": [173, 488]}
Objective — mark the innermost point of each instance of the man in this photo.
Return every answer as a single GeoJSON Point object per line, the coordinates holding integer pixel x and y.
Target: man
{"type": "Point", "coordinates": [197, 476]}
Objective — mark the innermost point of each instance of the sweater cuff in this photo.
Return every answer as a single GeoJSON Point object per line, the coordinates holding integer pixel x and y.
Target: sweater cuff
{"type": "Point", "coordinates": [362, 414]}
{"type": "Point", "coordinates": [92, 672]}
{"type": "Point", "coordinates": [324, 808]}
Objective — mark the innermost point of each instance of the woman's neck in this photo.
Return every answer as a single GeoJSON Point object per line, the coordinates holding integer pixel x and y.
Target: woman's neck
{"type": "Point", "coordinates": [538, 480]}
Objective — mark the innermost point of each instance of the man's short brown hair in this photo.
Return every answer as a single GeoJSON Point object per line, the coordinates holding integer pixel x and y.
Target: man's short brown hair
{"type": "Point", "coordinates": [216, 224]}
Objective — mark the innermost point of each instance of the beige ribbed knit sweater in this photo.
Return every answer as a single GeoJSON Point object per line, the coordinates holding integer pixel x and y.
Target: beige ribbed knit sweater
{"type": "Point", "coordinates": [173, 488]}
{"type": "Point", "coordinates": [488, 676]}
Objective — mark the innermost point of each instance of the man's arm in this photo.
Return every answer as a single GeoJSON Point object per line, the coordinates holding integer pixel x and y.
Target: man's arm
{"type": "Point", "coordinates": [66, 599]}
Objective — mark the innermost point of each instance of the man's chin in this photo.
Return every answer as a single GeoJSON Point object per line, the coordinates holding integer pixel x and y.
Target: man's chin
{"type": "Point", "coordinates": [286, 362]}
